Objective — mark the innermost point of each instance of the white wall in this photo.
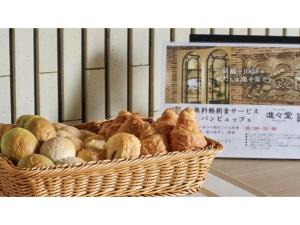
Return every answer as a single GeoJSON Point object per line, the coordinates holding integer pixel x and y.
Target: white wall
{"type": "Point", "coordinates": [89, 74]}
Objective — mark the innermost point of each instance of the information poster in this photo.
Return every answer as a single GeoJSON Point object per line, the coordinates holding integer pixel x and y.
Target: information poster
{"type": "Point", "coordinates": [247, 96]}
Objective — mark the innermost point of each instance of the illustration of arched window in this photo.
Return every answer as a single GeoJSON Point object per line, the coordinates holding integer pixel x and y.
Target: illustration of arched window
{"type": "Point", "coordinates": [191, 79]}
{"type": "Point", "coordinates": [218, 77]}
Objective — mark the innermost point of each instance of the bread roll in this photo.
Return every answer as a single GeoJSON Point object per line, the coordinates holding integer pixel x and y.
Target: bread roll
{"type": "Point", "coordinates": [95, 143]}
{"type": "Point", "coordinates": [86, 133]}
{"type": "Point", "coordinates": [186, 134]}
{"type": "Point", "coordinates": [72, 130]}
{"type": "Point", "coordinates": [69, 161]}
{"type": "Point", "coordinates": [35, 160]}
{"type": "Point", "coordinates": [4, 128]}
{"type": "Point", "coordinates": [63, 133]}
{"type": "Point", "coordinates": [42, 129]}
{"type": "Point", "coordinates": [123, 145]}
{"type": "Point", "coordinates": [78, 143]}
{"type": "Point", "coordinates": [22, 120]}
{"type": "Point", "coordinates": [18, 143]}
{"type": "Point", "coordinates": [58, 148]}
{"type": "Point", "coordinates": [89, 154]}
{"type": "Point", "coordinates": [58, 126]}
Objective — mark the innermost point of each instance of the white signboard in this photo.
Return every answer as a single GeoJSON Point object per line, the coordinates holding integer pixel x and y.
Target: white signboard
{"type": "Point", "coordinates": [246, 96]}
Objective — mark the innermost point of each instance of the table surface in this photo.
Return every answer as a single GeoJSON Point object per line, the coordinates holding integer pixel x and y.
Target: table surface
{"type": "Point", "coordinates": [249, 177]}
{"type": "Point", "coordinates": [272, 177]}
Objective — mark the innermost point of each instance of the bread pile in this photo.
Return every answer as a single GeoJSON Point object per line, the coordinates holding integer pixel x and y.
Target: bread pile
{"type": "Point", "coordinates": [35, 142]}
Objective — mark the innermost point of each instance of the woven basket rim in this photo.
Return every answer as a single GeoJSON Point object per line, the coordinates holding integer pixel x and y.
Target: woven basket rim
{"type": "Point", "coordinates": [212, 148]}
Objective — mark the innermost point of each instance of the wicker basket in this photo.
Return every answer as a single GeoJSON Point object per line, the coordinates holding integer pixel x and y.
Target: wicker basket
{"type": "Point", "coordinates": [172, 174]}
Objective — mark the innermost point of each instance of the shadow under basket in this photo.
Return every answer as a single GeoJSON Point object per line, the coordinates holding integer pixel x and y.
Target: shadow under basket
{"type": "Point", "coordinates": [172, 174]}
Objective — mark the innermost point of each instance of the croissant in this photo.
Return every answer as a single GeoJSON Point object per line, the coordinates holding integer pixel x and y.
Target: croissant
{"type": "Point", "coordinates": [186, 134]}
{"type": "Point", "coordinates": [112, 128]}
{"type": "Point", "coordinates": [151, 141]}
{"type": "Point", "coordinates": [132, 125]}
{"type": "Point", "coordinates": [166, 123]}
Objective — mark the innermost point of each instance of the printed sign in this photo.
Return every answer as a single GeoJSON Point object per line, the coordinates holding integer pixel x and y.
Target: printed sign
{"type": "Point", "coordinates": [247, 96]}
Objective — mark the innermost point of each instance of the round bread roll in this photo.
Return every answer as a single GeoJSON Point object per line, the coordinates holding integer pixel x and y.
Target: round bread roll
{"type": "Point", "coordinates": [72, 130]}
{"type": "Point", "coordinates": [95, 143]}
{"type": "Point", "coordinates": [22, 120]}
{"type": "Point", "coordinates": [86, 133]}
{"type": "Point", "coordinates": [58, 148]}
{"type": "Point", "coordinates": [70, 161]}
{"type": "Point", "coordinates": [42, 129]}
{"type": "Point", "coordinates": [123, 145]}
{"type": "Point", "coordinates": [91, 154]}
{"type": "Point", "coordinates": [63, 133]}
{"type": "Point", "coordinates": [58, 126]}
{"type": "Point", "coordinates": [78, 143]}
{"type": "Point", "coordinates": [18, 143]}
{"type": "Point", "coordinates": [4, 128]}
{"type": "Point", "coordinates": [35, 160]}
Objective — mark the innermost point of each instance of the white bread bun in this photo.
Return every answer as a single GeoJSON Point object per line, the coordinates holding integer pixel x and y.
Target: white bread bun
{"type": "Point", "coordinates": [58, 148]}
{"type": "Point", "coordinates": [72, 130]}
{"type": "Point", "coordinates": [69, 161]}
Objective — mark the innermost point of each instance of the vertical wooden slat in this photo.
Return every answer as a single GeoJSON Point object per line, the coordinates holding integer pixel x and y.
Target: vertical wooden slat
{"type": "Point", "coordinates": [258, 31]}
{"type": "Point", "coordinates": [182, 34]}
{"type": "Point", "coordinates": [47, 73]}
{"type": "Point", "coordinates": [117, 71]}
{"type": "Point", "coordinates": [71, 74]}
{"type": "Point", "coordinates": [202, 30]}
{"type": "Point", "coordinates": [221, 30]}
{"type": "Point", "coordinates": [275, 31]}
{"type": "Point", "coordinates": [5, 106]}
{"type": "Point", "coordinates": [240, 31]}
{"type": "Point", "coordinates": [4, 52]}
{"type": "Point", "coordinates": [292, 32]}
{"type": "Point", "coordinates": [95, 74]}
{"type": "Point", "coordinates": [160, 37]}
{"type": "Point", "coordinates": [139, 67]}
{"type": "Point", "coordinates": [5, 109]}
{"type": "Point", "coordinates": [24, 71]}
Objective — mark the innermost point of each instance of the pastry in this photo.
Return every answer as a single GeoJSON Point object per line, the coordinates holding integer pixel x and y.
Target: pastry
{"type": "Point", "coordinates": [186, 134]}
{"type": "Point", "coordinates": [69, 161]}
{"type": "Point", "coordinates": [4, 128]}
{"type": "Point", "coordinates": [132, 125]}
{"type": "Point", "coordinates": [152, 142]}
{"type": "Point", "coordinates": [166, 123]}
{"type": "Point", "coordinates": [116, 124]}
{"type": "Point", "coordinates": [123, 145]}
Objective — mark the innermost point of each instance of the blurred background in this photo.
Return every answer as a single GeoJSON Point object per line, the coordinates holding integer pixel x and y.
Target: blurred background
{"type": "Point", "coordinates": [74, 75]}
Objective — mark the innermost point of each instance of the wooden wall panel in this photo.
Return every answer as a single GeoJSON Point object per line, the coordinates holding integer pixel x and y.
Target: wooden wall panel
{"type": "Point", "coordinates": [202, 30]}
{"type": "Point", "coordinates": [95, 74]}
{"type": "Point", "coordinates": [160, 37]}
{"type": "Point", "coordinates": [117, 71]}
{"type": "Point", "coordinates": [5, 106]}
{"type": "Point", "coordinates": [71, 74]}
{"type": "Point", "coordinates": [47, 74]}
{"type": "Point", "coordinates": [139, 71]}
{"type": "Point", "coordinates": [258, 31]}
{"type": "Point", "coordinates": [182, 34]}
{"type": "Point", "coordinates": [24, 71]}
{"type": "Point", "coordinates": [275, 31]}
{"type": "Point", "coordinates": [240, 31]}
{"type": "Point", "coordinates": [292, 32]}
